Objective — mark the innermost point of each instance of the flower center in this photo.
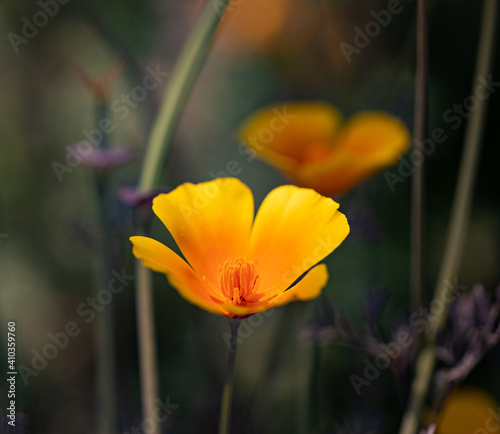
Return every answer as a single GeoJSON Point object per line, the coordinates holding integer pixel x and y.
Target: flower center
{"type": "Point", "coordinates": [316, 152]}
{"type": "Point", "coordinates": [237, 280]}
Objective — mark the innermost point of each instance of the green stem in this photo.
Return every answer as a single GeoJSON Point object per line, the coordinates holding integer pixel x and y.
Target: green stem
{"type": "Point", "coordinates": [105, 369]}
{"type": "Point", "coordinates": [468, 165]}
{"type": "Point", "coordinates": [102, 113]}
{"type": "Point", "coordinates": [177, 93]}
{"type": "Point", "coordinates": [420, 133]}
{"type": "Point", "coordinates": [314, 388]}
{"type": "Point", "coordinates": [263, 398]}
{"type": "Point", "coordinates": [106, 385]}
{"type": "Point", "coordinates": [458, 223]}
{"type": "Point", "coordinates": [227, 394]}
{"type": "Point", "coordinates": [105, 373]}
{"type": "Point", "coordinates": [147, 345]}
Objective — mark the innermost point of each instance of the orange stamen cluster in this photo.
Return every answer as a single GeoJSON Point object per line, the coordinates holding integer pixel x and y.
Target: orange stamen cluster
{"type": "Point", "coordinates": [238, 280]}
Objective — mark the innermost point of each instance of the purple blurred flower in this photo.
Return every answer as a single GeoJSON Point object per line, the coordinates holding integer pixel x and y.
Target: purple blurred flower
{"type": "Point", "coordinates": [329, 325]}
{"type": "Point", "coordinates": [104, 159]}
{"type": "Point", "coordinates": [133, 197]}
{"type": "Point", "coordinates": [473, 329]}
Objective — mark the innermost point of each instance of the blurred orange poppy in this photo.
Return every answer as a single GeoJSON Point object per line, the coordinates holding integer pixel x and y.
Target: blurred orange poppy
{"type": "Point", "coordinates": [235, 265]}
{"type": "Point", "coordinates": [253, 25]}
{"type": "Point", "coordinates": [309, 142]}
{"type": "Point", "coordinates": [468, 411]}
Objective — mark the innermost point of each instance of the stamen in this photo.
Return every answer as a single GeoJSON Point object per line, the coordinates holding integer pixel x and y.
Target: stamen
{"type": "Point", "coordinates": [238, 280]}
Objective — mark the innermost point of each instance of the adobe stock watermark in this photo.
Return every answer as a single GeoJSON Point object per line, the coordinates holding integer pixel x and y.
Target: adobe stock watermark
{"type": "Point", "coordinates": [47, 9]}
{"type": "Point", "coordinates": [3, 237]}
{"type": "Point", "coordinates": [162, 412]}
{"type": "Point", "coordinates": [453, 117]}
{"type": "Point", "coordinates": [371, 29]}
{"type": "Point", "coordinates": [122, 108]}
{"type": "Point", "coordinates": [88, 311]}
{"type": "Point", "coordinates": [390, 352]}
{"type": "Point", "coordinates": [203, 197]}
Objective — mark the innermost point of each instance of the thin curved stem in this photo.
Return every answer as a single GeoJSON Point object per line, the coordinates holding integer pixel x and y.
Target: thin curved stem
{"type": "Point", "coordinates": [104, 330]}
{"type": "Point", "coordinates": [177, 93]}
{"type": "Point", "coordinates": [419, 135]}
{"type": "Point", "coordinates": [227, 393]}
{"type": "Point", "coordinates": [458, 223]}
{"type": "Point", "coordinates": [147, 345]}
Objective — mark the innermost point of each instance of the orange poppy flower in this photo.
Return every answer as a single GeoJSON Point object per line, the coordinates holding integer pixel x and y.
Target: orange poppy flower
{"type": "Point", "coordinates": [253, 25]}
{"type": "Point", "coordinates": [467, 411]}
{"type": "Point", "coordinates": [310, 144]}
{"type": "Point", "coordinates": [235, 265]}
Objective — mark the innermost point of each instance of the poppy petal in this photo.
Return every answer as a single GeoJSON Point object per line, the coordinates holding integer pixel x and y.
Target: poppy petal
{"type": "Point", "coordinates": [313, 149]}
{"type": "Point", "coordinates": [374, 134]}
{"type": "Point", "coordinates": [467, 409]}
{"type": "Point", "coordinates": [292, 129]}
{"type": "Point", "coordinates": [243, 311]}
{"type": "Point", "coordinates": [180, 275]}
{"type": "Point", "coordinates": [369, 143]}
{"type": "Point", "coordinates": [294, 229]}
{"type": "Point", "coordinates": [210, 222]}
{"type": "Point", "coordinates": [308, 288]}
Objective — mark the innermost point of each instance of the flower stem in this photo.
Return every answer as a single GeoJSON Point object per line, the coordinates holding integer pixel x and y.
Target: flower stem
{"type": "Point", "coordinates": [227, 394]}
{"type": "Point", "coordinates": [106, 385]}
{"type": "Point", "coordinates": [177, 93]}
{"type": "Point", "coordinates": [419, 134]}
{"type": "Point", "coordinates": [314, 388]}
{"type": "Point", "coordinates": [101, 114]}
{"type": "Point", "coordinates": [458, 223]}
{"type": "Point", "coordinates": [147, 347]}
{"type": "Point", "coordinates": [104, 328]}
{"type": "Point", "coordinates": [472, 145]}
{"type": "Point", "coordinates": [263, 398]}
